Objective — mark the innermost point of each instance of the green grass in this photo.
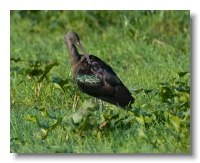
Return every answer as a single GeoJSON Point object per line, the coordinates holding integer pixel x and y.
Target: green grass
{"type": "Point", "coordinates": [147, 49]}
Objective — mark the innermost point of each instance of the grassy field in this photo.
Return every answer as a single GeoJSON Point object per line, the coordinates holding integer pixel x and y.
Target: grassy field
{"type": "Point", "coordinates": [150, 52]}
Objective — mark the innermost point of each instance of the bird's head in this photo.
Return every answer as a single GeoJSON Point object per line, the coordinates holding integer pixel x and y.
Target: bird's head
{"type": "Point", "coordinates": [73, 38]}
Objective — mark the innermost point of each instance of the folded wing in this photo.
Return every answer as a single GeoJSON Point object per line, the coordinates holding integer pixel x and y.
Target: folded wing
{"type": "Point", "coordinates": [99, 80]}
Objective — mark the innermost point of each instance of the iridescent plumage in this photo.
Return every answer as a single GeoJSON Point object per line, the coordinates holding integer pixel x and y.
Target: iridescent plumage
{"type": "Point", "coordinates": [94, 77]}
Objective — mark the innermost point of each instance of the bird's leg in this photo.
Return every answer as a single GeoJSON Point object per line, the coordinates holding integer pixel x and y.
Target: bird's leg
{"type": "Point", "coordinates": [95, 100]}
{"type": "Point", "coordinates": [101, 105]}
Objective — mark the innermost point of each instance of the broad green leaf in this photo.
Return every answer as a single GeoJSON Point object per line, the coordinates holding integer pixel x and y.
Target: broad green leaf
{"type": "Point", "coordinates": [56, 85]}
{"type": "Point", "coordinates": [55, 124]}
{"type": "Point", "coordinates": [60, 83]}
{"type": "Point", "coordinates": [33, 119]}
{"type": "Point", "coordinates": [147, 91]}
{"type": "Point", "coordinates": [92, 121]}
{"type": "Point", "coordinates": [90, 105]}
{"type": "Point", "coordinates": [140, 119]}
{"type": "Point", "coordinates": [49, 67]}
{"type": "Point", "coordinates": [35, 72]}
{"type": "Point", "coordinates": [110, 114]}
{"type": "Point", "coordinates": [15, 59]}
{"type": "Point", "coordinates": [43, 111]}
{"type": "Point", "coordinates": [47, 70]}
{"type": "Point", "coordinates": [78, 116]}
{"type": "Point", "coordinates": [181, 74]}
{"type": "Point", "coordinates": [101, 119]}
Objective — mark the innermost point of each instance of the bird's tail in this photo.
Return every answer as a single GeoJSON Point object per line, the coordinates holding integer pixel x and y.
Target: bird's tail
{"type": "Point", "coordinates": [124, 97]}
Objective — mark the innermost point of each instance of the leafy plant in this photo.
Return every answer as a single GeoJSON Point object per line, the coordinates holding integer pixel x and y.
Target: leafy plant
{"type": "Point", "coordinates": [34, 72]}
{"type": "Point", "coordinates": [48, 114]}
{"type": "Point", "coordinates": [88, 117]}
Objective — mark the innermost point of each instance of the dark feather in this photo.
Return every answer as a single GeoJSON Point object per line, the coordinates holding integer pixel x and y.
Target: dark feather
{"type": "Point", "coordinates": [94, 77]}
{"type": "Point", "coordinates": [99, 80]}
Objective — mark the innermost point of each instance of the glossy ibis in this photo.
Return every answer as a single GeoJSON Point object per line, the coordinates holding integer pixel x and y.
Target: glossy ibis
{"type": "Point", "coordinates": [95, 77]}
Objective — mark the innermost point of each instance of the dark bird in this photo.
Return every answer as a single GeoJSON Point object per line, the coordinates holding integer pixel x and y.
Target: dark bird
{"type": "Point", "coordinates": [94, 77]}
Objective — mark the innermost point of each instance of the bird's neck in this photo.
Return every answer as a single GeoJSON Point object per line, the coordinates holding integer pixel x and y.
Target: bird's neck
{"type": "Point", "coordinates": [74, 55]}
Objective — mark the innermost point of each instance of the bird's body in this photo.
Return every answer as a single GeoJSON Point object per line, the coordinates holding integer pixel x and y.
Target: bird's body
{"type": "Point", "coordinates": [94, 77]}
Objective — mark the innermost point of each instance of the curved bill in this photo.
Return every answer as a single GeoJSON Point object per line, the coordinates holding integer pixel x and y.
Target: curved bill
{"type": "Point", "coordinates": [84, 52]}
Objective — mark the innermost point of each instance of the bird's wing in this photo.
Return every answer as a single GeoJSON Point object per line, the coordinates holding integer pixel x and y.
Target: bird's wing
{"type": "Point", "coordinates": [99, 80]}
{"type": "Point", "coordinates": [104, 71]}
{"type": "Point", "coordinates": [96, 74]}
